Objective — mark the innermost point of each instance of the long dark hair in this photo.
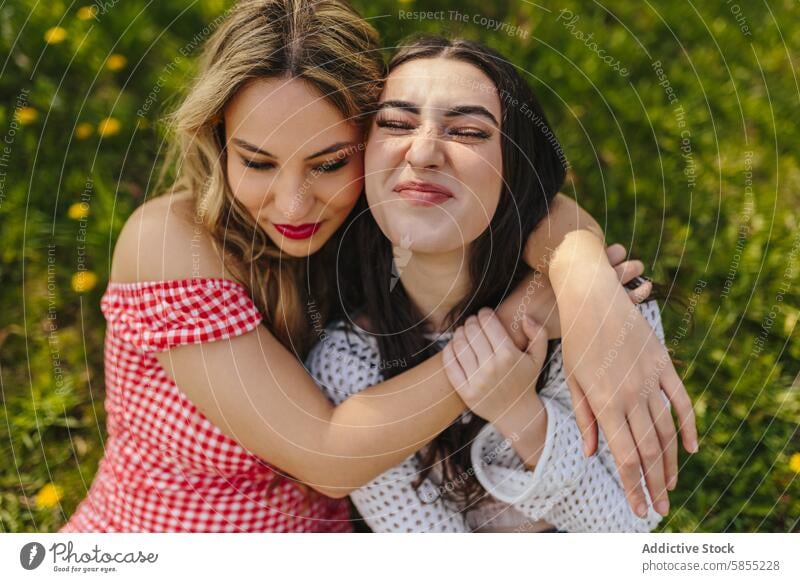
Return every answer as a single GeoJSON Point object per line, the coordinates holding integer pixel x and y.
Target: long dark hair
{"type": "Point", "coordinates": [533, 172]}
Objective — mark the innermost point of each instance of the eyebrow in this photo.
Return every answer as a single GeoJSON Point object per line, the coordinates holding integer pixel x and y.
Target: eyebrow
{"type": "Point", "coordinates": [456, 111]}
{"type": "Point", "coordinates": [256, 150]}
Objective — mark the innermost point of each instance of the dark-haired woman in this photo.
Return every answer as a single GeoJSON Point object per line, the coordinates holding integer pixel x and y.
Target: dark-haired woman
{"type": "Point", "coordinates": [452, 157]}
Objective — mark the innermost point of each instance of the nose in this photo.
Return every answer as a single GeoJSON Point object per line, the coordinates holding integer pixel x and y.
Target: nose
{"type": "Point", "coordinates": [425, 151]}
{"type": "Point", "coordinates": [293, 197]}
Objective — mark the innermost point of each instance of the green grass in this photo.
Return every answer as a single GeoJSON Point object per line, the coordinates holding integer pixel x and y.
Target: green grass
{"type": "Point", "coordinates": [703, 188]}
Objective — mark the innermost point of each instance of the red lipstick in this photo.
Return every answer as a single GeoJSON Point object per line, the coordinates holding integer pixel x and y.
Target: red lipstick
{"type": "Point", "coordinates": [423, 193]}
{"type": "Point", "coordinates": [298, 231]}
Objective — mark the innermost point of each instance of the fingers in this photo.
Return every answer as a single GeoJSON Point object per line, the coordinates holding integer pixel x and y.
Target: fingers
{"type": "Point", "coordinates": [641, 292]}
{"type": "Point", "coordinates": [587, 422]}
{"type": "Point", "coordinates": [651, 456]}
{"type": "Point", "coordinates": [626, 455]}
{"type": "Point", "coordinates": [477, 339]}
{"type": "Point", "coordinates": [665, 428]}
{"type": "Point", "coordinates": [676, 392]}
{"type": "Point", "coordinates": [537, 336]}
{"type": "Point", "coordinates": [452, 368]}
{"type": "Point", "coordinates": [616, 253]}
{"type": "Point", "coordinates": [629, 270]}
{"type": "Point", "coordinates": [495, 331]}
{"type": "Point", "coordinates": [463, 352]}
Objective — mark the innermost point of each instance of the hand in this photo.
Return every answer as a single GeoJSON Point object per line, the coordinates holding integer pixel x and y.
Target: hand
{"type": "Point", "coordinates": [534, 296]}
{"type": "Point", "coordinates": [490, 374]}
{"type": "Point", "coordinates": [624, 396]}
{"type": "Point", "coordinates": [627, 271]}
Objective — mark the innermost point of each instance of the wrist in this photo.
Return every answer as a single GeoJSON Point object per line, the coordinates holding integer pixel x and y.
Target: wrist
{"type": "Point", "coordinates": [525, 425]}
{"type": "Point", "coordinates": [585, 286]}
{"type": "Point", "coordinates": [579, 257]}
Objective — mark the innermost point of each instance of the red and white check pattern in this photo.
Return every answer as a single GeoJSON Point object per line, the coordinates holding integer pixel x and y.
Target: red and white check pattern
{"type": "Point", "coordinates": [166, 467]}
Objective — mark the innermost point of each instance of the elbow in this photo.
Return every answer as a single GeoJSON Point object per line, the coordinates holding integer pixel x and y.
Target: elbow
{"type": "Point", "coordinates": [584, 220]}
{"type": "Point", "coordinates": [595, 229]}
{"type": "Point", "coordinates": [587, 222]}
{"type": "Point", "coordinates": [329, 479]}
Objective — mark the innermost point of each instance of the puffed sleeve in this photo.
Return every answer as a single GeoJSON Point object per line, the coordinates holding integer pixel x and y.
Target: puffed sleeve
{"type": "Point", "coordinates": [157, 316]}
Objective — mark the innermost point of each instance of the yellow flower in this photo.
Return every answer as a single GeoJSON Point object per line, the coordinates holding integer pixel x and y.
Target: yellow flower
{"type": "Point", "coordinates": [83, 130]}
{"type": "Point", "coordinates": [83, 281]}
{"type": "Point", "coordinates": [794, 462]}
{"type": "Point", "coordinates": [55, 35]}
{"type": "Point", "coordinates": [790, 322]}
{"type": "Point", "coordinates": [109, 126]}
{"type": "Point", "coordinates": [78, 210]}
{"type": "Point", "coordinates": [49, 496]}
{"type": "Point", "coordinates": [87, 12]}
{"type": "Point", "coordinates": [116, 62]}
{"type": "Point", "coordinates": [26, 115]}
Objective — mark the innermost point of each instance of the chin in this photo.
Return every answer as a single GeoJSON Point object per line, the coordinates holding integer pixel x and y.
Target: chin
{"type": "Point", "coordinates": [428, 244]}
{"type": "Point", "coordinates": [301, 249]}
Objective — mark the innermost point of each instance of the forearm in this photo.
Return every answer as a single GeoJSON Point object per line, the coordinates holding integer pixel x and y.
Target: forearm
{"type": "Point", "coordinates": [534, 297]}
{"type": "Point", "coordinates": [579, 260]}
{"type": "Point", "coordinates": [272, 407]}
{"type": "Point", "coordinates": [390, 421]}
{"type": "Point", "coordinates": [586, 287]}
{"type": "Point", "coordinates": [524, 425]}
{"type": "Point", "coordinates": [564, 218]}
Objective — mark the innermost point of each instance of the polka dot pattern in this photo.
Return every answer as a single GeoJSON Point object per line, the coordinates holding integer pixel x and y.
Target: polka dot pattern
{"type": "Point", "coordinates": [564, 489]}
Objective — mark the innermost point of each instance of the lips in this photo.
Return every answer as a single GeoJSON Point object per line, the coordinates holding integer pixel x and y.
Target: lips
{"type": "Point", "coordinates": [298, 231]}
{"type": "Point", "coordinates": [423, 193]}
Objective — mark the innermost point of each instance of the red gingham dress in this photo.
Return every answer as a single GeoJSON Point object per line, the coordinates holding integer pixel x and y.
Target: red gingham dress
{"type": "Point", "coordinates": [166, 467]}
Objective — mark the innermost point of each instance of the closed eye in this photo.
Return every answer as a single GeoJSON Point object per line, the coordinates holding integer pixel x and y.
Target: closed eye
{"type": "Point", "coordinates": [394, 124]}
{"type": "Point", "coordinates": [257, 165]}
{"type": "Point", "coordinates": [332, 165]}
{"type": "Point", "coordinates": [469, 133]}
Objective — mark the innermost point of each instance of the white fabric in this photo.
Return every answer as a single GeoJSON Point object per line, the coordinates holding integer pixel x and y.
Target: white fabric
{"type": "Point", "coordinates": [565, 489]}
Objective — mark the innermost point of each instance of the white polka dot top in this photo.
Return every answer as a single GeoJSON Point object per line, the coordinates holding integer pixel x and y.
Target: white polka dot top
{"type": "Point", "coordinates": [565, 489]}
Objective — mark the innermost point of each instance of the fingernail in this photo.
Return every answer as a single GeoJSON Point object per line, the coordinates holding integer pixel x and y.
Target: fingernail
{"type": "Point", "coordinates": [662, 507]}
{"type": "Point", "coordinates": [641, 510]}
{"type": "Point", "coordinates": [693, 447]}
{"type": "Point", "coordinates": [673, 481]}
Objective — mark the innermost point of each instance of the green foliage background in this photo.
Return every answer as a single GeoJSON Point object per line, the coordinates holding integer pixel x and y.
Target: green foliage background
{"type": "Point", "coordinates": [731, 252]}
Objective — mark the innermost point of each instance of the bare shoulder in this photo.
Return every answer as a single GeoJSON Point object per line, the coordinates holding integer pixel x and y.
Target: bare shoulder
{"type": "Point", "coordinates": [161, 241]}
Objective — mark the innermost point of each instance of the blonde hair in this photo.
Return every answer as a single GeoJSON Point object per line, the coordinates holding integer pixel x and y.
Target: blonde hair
{"type": "Point", "coordinates": [323, 42]}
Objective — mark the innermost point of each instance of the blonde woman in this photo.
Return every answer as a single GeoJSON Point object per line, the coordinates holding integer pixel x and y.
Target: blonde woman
{"type": "Point", "coordinates": [214, 424]}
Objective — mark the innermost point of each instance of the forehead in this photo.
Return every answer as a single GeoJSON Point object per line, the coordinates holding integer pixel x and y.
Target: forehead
{"type": "Point", "coordinates": [285, 114]}
{"type": "Point", "coordinates": [440, 82]}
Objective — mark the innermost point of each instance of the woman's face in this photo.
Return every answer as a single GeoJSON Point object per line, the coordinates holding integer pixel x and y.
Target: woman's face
{"type": "Point", "coordinates": [293, 162]}
{"type": "Point", "coordinates": [433, 164]}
